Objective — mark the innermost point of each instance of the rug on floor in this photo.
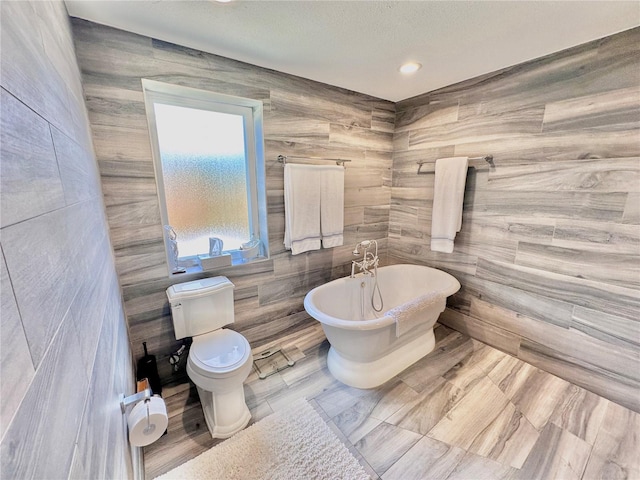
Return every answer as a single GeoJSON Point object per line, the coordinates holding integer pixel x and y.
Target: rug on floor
{"type": "Point", "coordinates": [288, 445]}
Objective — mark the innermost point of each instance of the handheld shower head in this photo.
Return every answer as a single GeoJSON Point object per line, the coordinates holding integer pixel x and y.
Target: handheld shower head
{"type": "Point", "coordinates": [364, 244]}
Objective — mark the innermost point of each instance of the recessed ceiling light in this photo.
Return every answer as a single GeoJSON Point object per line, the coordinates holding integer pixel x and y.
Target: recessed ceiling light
{"type": "Point", "coordinates": [410, 67]}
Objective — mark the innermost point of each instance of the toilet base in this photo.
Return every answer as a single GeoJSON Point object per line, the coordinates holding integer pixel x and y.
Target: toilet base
{"type": "Point", "coordinates": [226, 413]}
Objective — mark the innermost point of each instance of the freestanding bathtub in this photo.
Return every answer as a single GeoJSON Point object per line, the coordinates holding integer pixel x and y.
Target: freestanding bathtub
{"type": "Point", "coordinates": [365, 351]}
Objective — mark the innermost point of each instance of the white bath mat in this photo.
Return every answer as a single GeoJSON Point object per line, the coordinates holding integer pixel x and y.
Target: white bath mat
{"type": "Point", "coordinates": [290, 445]}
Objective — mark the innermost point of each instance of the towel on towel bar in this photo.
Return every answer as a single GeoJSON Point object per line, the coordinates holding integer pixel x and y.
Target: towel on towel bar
{"type": "Point", "coordinates": [314, 207]}
{"type": "Point", "coordinates": [448, 198]}
{"type": "Point", "coordinates": [301, 208]}
{"type": "Point", "coordinates": [412, 313]}
{"type": "Point", "coordinates": [332, 206]}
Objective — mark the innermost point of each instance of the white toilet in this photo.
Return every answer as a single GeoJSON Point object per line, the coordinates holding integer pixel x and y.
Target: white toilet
{"type": "Point", "coordinates": [220, 359]}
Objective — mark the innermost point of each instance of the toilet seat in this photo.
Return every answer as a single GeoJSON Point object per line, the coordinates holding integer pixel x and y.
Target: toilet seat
{"type": "Point", "coordinates": [219, 353]}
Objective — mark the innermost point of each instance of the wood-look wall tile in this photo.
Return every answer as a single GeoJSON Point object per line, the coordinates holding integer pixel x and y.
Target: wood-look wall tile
{"type": "Point", "coordinates": [201, 80]}
{"type": "Point", "coordinates": [42, 276]}
{"type": "Point", "coordinates": [486, 333]}
{"type": "Point", "coordinates": [427, 115]}
{"type": "Point", "coordinates": [614, 175]}
{"type": "Point", "coordinates": [632, 209]}
{"type": "Point", "coordinates": [122, 144]}
{"type": "Point", "coordinates": [611, 329]}
{"type": "Point", "coordinates": [494, 302]}
{"type": "Point", "coordinates": [284, 265]}
{"type": "Point", "coordinates": [596, 110]}
{"type": "Point", "coordinates": [590, 143]}
{"type": "Point", "coordinates": [88, 34]}
{"type": "Point", "coordinates": [613, 268]}
{"type": "Point", "coordinates": [598, 296]}
{"type": "Point", "coordinates": [295, 284]}
{"type": "Point", "coordinates": [586, 349]}
{"type": "Point", "coordinates": [137, 212]}
{"type": "Point", "coordinates": [78, 169]}
{"type": "Point", "coordinates": [87, 309]}
{"type": "Point", "coordinates": [362, 178]}
{"type": "Point", "coordinates": [400, 142]}
{"type": "Point", "coordinates": [484, 127]}
{"type": "Point", "coordinates": [454, 264]}
{"type": "Point", "coordinates": [40, 441]}
{"type": "Point", "coordinates": [27, 72]}
{"type": "Point", "coordinates": [16, 367]}
{"type": "Point", "coordinates": [136, 235]}
{"type": "Point", "coordinates": [619, 390]}
{"type": "Point", "coordinates": [376, 214]}
{"type": "Point", "coordinates": [597, 237]}
{"type": "Point", "coordinates": [480, 246]}
{"type": "Point", "coordinates": [383, 117]}
{"type": "Point", "coordinates": [358, 137]}
{"type": "Point", "coordinates": [572, 205]}
{"type": "Point", "coordinates": [94, 433]}
{"type": "Point", "coordinates": [128, 190]}
{"type": "Point", "coordinates": [362, 197]}
{"type": "Point", "coordinates": [137, 267]}
{"type": "Point", "coordinates": [31, 183]}
{"type": "Point", "coordinates": [289, 128]}
{"type": "Point", "coordinates": [120, 108]}
{"type": "Point", "coordinates": [319, 106]}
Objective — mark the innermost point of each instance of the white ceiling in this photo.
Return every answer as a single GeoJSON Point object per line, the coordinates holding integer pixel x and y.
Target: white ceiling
{"type": "Point", "coordinates": [359, 45]}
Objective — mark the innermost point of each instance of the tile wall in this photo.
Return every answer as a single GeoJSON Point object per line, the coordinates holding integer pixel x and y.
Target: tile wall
{"type": "Point", "coordinates": [65, 353]}
{"type": "Point", "coordinates": [549, 252]}
{"type": "Point", "coordinates": [301, 117]}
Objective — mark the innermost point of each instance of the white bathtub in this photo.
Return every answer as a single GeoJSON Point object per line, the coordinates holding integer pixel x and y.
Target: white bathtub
{"type": "Point", "coordinates": [365, 351]}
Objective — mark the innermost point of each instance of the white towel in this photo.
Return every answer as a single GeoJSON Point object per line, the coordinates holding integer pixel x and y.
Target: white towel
{"type": "Point", "coordinates": [412, 313]}
{"type": "Point", "coordinates": [332, 206]}
{"type": "Point", "coordinates": [448, 198]}
{"type": "Point", "coordinates": [302, 207]}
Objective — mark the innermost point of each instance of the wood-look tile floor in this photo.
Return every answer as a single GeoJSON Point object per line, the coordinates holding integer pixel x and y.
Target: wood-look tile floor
{"type": "Point", "coordinates": [466, 411]}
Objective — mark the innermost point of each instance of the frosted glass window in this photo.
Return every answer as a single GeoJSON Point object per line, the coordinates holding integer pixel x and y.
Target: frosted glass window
{"type": "Point", "coordinates": [208, 153]}
{"type": "Point", "coordinates": [204, 170]}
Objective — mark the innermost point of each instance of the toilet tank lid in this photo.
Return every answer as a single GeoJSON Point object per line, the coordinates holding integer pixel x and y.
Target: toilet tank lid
{"type": "Point", "coordinates": [197, 288]}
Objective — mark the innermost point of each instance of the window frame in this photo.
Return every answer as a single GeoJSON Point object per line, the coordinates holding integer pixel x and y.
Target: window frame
{"type": "Point", "coordinates": [252, 112]}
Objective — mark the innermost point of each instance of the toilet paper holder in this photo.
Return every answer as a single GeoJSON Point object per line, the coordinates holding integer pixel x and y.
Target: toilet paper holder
{"type": "Point", "coordinates": [145, 394]}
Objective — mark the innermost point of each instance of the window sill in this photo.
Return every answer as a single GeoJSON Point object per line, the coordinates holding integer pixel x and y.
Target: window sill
{"type": "Point", "coordinates": [190, 265]}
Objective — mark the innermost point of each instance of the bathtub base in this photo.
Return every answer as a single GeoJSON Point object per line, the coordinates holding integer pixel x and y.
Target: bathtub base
{"type": "Point", "coordinates": [376, 372]}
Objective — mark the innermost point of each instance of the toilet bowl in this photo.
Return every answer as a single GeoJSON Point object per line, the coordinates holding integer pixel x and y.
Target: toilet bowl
{"type": "Point", "coordinates": [219, 359]}
{"type": "Point", "coordinates": [218, 364]}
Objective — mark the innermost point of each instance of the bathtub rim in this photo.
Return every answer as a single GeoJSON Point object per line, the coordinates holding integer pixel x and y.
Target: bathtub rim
{"type": "Point", "coordinates": [375, 323]}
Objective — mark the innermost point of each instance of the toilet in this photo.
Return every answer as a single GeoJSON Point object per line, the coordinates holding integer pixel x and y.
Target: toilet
{"type": "Point", "coordinates": [219, 359]}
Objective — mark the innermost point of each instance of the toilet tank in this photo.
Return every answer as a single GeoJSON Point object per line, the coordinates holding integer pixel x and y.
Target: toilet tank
{"type": "Point", "coordinates": [201, 306]}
